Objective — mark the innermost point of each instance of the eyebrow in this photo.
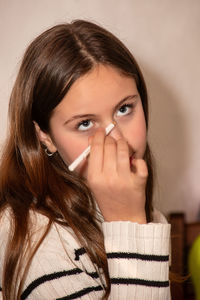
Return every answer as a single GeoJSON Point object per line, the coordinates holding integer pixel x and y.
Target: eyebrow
{"type": "Point", "coordinates": [93, 115]}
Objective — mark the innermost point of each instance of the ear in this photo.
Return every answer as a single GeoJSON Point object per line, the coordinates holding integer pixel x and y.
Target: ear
{"type": "Point", "coordinates": [45, 138]}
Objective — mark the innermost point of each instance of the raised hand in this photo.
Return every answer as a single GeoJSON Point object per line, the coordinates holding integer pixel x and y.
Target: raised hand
{"type": "Point", "coordinates": [117, 181]}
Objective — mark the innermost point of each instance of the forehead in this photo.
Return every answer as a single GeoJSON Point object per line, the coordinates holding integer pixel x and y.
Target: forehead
{"type": "Point", "coordinates": [103, 85]}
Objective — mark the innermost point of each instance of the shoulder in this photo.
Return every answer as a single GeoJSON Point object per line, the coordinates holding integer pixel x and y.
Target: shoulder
{"type": "Point", "coordinates": [60, 266]}
{"type": "Point", "coordinates": [5, 230]}
{"type": "Point", "coordinates": [5, 224]}
{"type": "Point", "coordinates": [56, 235]}
{"type": "Point", "coordinates": [5, 217]}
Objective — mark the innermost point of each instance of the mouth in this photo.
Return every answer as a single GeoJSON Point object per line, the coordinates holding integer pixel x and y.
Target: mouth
{"type": "Point", "coordinates": [132, 156]}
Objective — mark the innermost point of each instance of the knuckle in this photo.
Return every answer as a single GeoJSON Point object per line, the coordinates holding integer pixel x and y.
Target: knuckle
{"type": "Point", "coordinates": [98, 138]}
{"type": "Point", "coordinates": [96, 144]}
{"type": "Point", "coordinates": [122, 145]}
{"type": "Point", "coordinates": [110, 181]}
{"type": "Point", "coordinates": [109, 141]}
{"type": "Point", "coordinates": [143, 170]}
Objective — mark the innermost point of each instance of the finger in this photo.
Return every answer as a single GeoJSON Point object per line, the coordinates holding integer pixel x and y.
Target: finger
{"type": "Point", "coordinates": [140, 170]}
{"type": "Point", "coordinates": [95, 161]}
{"type": "Point", "coordinates": [110, 155]}
{"type": "Point", "coordinates": [123, 160]}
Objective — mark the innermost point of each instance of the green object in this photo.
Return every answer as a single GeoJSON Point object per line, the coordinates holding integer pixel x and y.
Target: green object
{"type": "Point", "coordinates": [194, 266]}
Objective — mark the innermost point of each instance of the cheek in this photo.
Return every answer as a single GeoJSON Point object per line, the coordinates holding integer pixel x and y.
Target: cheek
{"type": "Point", "coordinates": [138, 135]}
{"type": "Point", "coordinates": [141, 132]}
{"type": "Point", "coordinates": [70, 148]}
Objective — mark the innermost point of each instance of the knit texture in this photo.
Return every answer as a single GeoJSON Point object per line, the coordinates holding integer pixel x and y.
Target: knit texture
{"type": "Point", "coordinates": [138, 259]}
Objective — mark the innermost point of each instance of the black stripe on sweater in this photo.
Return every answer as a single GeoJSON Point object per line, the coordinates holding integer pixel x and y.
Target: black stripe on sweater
{"type": "Point", "coordinates": [45, 278]}
{"type": "Point", "coordinates": [79, 252]}
{"type": "Point", "coordinates": [148, 257]}
{"type": "Point", "coordinates": [92, 274]}
{"type": "Point", "coordinates": [81, 293]}
{"type": "Point", "coordinates": [136, 281]}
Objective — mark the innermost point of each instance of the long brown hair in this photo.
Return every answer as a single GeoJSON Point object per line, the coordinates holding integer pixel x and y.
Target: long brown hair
{"type": "Point", "coordinates": [29, 180]}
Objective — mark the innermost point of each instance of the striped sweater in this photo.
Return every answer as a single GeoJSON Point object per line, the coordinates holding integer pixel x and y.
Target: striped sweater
{"type": "Point", "coordinates": [138, 259]}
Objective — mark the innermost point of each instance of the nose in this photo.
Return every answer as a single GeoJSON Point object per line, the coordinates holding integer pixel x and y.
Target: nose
{"type": "Point", "coordinates": [116, 133]}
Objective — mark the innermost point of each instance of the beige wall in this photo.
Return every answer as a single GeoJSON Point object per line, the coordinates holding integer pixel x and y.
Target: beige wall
{"type": "Point", "coordinates": [164, 36]}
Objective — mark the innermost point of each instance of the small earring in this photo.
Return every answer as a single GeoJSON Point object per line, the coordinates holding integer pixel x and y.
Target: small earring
{"type": "Point", "coordinates": [48, 153]}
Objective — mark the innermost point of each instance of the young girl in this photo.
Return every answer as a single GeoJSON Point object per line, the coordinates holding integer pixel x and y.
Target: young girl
{"type": "Point", "coordinates": [90, 233]}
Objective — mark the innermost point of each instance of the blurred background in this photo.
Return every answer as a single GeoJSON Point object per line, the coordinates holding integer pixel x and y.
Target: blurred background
{"type": "Point", "coordinates": [164, 37]}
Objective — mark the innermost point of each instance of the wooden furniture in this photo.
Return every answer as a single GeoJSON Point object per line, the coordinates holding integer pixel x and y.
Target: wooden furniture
{"type": "Point", "coordinates": [183, 235]}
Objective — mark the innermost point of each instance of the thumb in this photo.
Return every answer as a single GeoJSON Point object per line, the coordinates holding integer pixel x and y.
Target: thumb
{"type": "Point", "coordinates": [140, 170]}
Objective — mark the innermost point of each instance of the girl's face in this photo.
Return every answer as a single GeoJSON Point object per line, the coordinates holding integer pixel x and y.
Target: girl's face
{"type": "Point", "coordinates": [96, 99]}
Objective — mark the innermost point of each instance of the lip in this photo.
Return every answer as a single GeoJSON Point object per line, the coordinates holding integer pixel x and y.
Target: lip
{"type": "Point", "coordinates": [132, 157]}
